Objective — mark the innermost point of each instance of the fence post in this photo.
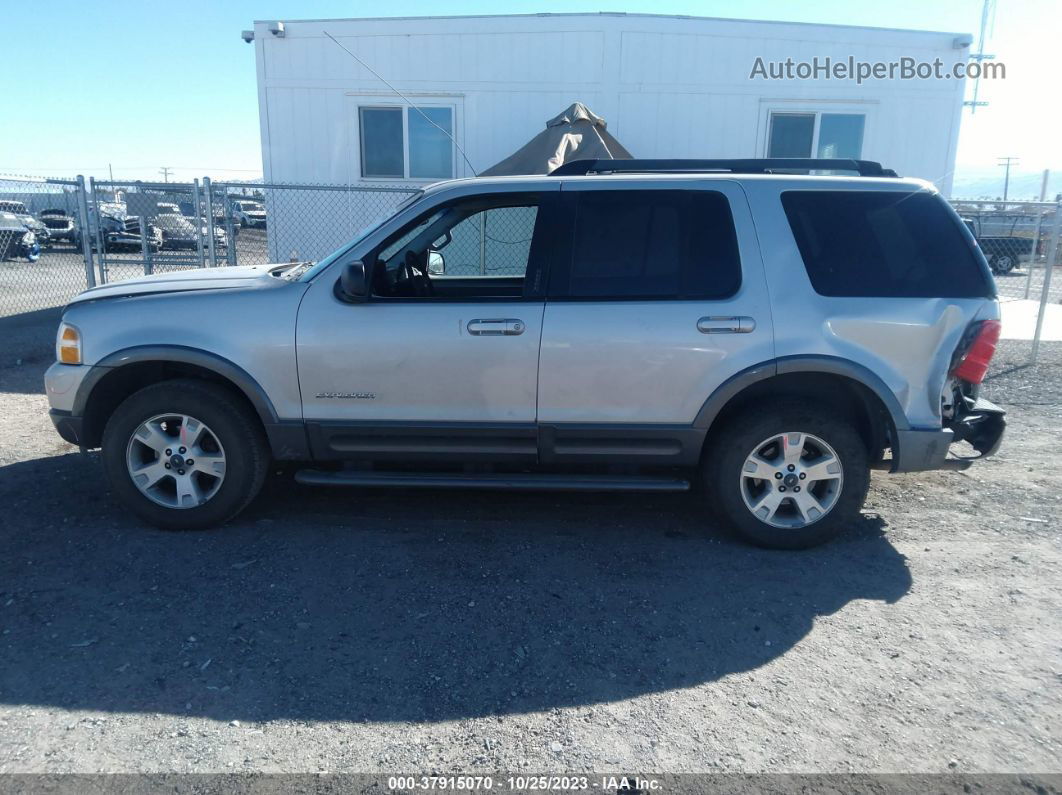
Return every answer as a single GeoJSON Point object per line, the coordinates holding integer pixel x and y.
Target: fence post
{"type": "Point", "coordinates": [1032, 257]}
{"type": "Point", "coordinates": [83, 222]}
{"type": "Point", "coordinates": [101, 248]}
{"type": "Point", "coordinates": [198, 222]}
{"type": "Point", "coordinates": [1049, 266]}
{"type": "Point", "coordinates": [145, 249]}
{"type": "Point", "coordinates": [210, 222]}
{"type": "Point", "coordinates": [230, 230]}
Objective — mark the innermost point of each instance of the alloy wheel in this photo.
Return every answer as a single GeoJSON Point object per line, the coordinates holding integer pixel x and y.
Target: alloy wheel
{"type": "Point", "coordinates": [791, 480]}
{"type": "Point", "coordinates": [176, 461]}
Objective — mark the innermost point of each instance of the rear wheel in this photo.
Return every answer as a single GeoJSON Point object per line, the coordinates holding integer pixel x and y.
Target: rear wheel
{"type": "Point", "coordinates": [184, 454]}
{"type": "Point", "coordinates": [786, 475]}
{"type": "Point", "coordinates": [1003, 264]}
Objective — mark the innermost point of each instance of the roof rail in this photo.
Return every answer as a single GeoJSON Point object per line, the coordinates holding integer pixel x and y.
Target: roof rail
{"type": "Point", "coordinates": [864, 168]}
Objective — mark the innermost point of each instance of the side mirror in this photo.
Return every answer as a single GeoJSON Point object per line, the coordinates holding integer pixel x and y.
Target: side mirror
{"type": "Point", "coordinates": [354, 283]}
{"type": "Point", "coordinates": [436, 263]}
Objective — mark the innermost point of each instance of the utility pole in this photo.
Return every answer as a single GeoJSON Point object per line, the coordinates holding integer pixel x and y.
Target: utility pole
{"type": "Point", "coordinates": [1007, 162]}
{"type": "Point", "coordinates": [980, 56]}
{"type": "Point", "coordinates": [165, 171]}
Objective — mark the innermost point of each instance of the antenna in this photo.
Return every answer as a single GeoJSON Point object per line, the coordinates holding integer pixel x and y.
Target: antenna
{"type": "Point", "coordinates": [406, 100]}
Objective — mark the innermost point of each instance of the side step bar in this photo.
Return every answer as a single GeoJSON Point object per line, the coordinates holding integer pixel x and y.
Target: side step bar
{"type": "Point", "coordinates": [505, 482]}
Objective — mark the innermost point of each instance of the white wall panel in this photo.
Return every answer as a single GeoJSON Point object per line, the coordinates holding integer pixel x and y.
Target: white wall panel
{"type": "Point", "coordinates": [668, 86]}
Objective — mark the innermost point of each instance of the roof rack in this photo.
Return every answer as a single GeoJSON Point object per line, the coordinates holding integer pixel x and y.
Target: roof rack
{"type": "Point", "coordinates": [580, 168]}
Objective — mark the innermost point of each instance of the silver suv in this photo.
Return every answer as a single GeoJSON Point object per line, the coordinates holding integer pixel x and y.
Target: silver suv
{"type": "Point", "coordinates": [616, 325]}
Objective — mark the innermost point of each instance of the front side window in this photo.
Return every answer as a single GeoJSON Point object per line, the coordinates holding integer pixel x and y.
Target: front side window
{"type": "Point", "coordinates": [813, 134]}
{"type": "Point", "coordinates": [478, 247]}
{"type": "Point", "coordinates": [884, 244]}
{"type": "Point", "coordinates": [650, 244]}
{"type": "Point", "coordinates": [405, 142]}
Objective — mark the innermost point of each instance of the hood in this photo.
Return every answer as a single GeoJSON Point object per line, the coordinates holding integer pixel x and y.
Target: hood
{"type": "Point", "coordinates": [223, 278]}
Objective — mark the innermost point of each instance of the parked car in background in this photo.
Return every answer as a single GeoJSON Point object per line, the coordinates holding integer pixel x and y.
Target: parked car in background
{"type": "Point", "coordinates": [1002, 251]}
{"type": "Point", "coordinates": [120, 231]}
{"type": "Point", "coordinates": [19, 210]}
{"type": "Point", "coordinates": [61, 225]}
{"type": "Point", "coordinates": [179, 232]}
{"type": "Point", "coordinates": [16, 240]}
{"type": "Point", "coordinates": [248, 213]}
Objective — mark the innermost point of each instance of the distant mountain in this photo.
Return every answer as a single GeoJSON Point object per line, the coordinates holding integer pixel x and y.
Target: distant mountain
{"type": "Point", "coordinates": [987, 183]}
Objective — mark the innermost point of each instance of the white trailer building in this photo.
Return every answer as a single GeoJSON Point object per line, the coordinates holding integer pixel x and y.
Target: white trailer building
{"type": "Point", "coordinates": [669, 87]}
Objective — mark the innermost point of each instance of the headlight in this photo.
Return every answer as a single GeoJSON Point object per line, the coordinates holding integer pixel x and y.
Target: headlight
{"type": "Point", "coordinates": [68, 344]}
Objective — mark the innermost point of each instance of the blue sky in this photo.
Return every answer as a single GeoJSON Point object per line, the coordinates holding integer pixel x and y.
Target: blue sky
{"type": "Point", "coordinates": [140, 85]}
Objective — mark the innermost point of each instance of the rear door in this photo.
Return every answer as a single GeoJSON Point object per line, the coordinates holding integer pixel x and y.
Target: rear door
{"type": "Point", "coordinates": [658, 299]}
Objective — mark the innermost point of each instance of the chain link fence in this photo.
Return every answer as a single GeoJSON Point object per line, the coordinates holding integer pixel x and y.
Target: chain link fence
{"type": "Point", "coordinates": [59, 236]}
{"type": "Point", "coordinates": [41, 262]}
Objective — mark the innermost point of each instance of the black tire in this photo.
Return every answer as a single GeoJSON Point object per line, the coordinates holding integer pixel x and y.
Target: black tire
{"type": "Point", "coordinates": [229, 419]}
{"type": "Point", "coordinates": [728, 450]}
{"type": "Point", "coordinates": [1004, 264]}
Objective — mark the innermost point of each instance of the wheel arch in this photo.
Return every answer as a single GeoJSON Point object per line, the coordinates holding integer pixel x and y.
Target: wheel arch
{"type": "Point", "coordinates": [119, 374]}
{"type": "Point", "coordinates": [844, 384]}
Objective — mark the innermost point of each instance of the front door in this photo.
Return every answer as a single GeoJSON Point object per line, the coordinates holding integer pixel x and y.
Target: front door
{"type": "Point", "coordinates": [661, 299]}
{"type": "Point", "coordinates": [442, 361]}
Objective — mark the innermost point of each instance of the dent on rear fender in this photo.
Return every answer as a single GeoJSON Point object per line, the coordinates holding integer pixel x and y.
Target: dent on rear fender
{"type": "Point", "coordinates": [910, 350]}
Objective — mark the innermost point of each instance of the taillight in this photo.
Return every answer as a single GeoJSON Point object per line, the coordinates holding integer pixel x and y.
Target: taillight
{"type": "Point", "coordinates": [973, 364]}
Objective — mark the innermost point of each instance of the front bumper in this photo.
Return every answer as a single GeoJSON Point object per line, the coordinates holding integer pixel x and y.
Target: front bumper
{"type": "Point", "coordinates": [981, 425]}
{"type": "Point", "coordinates": [68, 426]}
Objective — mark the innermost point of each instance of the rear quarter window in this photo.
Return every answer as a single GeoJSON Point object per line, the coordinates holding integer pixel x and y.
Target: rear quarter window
{"type": "Point", "coordinates": [887, 244]}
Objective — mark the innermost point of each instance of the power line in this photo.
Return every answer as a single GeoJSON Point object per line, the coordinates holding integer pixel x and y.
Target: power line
{"type": "Point", "coordinates": [165, 171]}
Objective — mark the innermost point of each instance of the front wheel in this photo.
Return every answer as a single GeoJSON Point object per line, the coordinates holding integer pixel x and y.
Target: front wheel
{"type": "Point", "coordinates": [786, 475]}
{"type": "Point", "coordinates": [184, 454]}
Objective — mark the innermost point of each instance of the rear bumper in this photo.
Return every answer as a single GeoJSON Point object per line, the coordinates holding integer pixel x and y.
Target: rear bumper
{"type": "Point", "coordinates": [982, 425]}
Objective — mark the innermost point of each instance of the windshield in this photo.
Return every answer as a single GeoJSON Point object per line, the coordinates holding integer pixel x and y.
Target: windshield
{"type": "Point", "coordinates": [306, 275]}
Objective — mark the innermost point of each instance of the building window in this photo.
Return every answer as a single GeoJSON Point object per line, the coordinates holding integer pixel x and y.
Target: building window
{"type": "Point", "coordinates": [407, 143]}
{"type": "Point", "coordinates": [807, 134]}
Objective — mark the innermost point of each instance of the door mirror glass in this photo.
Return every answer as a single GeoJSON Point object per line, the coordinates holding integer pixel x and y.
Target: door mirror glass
{"type": "Point", "coordinates": [353, 282]}
{"type": "Point", "coordinates": [436, 263]}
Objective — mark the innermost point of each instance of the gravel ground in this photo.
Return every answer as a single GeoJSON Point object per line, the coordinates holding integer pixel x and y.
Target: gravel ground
{"type": "Point", "coordinates": [353, 631]}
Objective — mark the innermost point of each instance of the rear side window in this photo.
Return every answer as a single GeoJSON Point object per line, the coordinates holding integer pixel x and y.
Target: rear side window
{"type": "Point", "coordinates": [883, 244]}
{"type": "Point", "coordinates": [650, 244]}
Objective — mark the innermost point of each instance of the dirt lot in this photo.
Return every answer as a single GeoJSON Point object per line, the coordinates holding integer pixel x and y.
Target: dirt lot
{"type": "Point", "coordinates": [353, 631]}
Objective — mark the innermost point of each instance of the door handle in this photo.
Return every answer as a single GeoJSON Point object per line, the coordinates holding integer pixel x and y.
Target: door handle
{"type": "Point", "coordinates": [726, 325]}
{"type": "Point", "coordinates": [509, 327]}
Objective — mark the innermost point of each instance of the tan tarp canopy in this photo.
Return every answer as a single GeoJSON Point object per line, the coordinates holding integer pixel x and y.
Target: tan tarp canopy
{"type": "Point", "coordinates": [575, 134]}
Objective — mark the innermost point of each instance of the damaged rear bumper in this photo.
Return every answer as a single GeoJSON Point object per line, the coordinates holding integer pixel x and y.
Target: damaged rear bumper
{"type": "Point", "coordinates": [981, 425]}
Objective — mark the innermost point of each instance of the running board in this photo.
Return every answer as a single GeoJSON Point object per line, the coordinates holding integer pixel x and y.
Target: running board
{"type": "Point", "coordinates": [506, 482]}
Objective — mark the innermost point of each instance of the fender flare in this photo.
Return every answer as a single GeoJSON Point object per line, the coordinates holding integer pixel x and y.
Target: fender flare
{"type": "Point", "coordinates": [219, 365]}
{"type": "Point", "coordinates": [829, 365]}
